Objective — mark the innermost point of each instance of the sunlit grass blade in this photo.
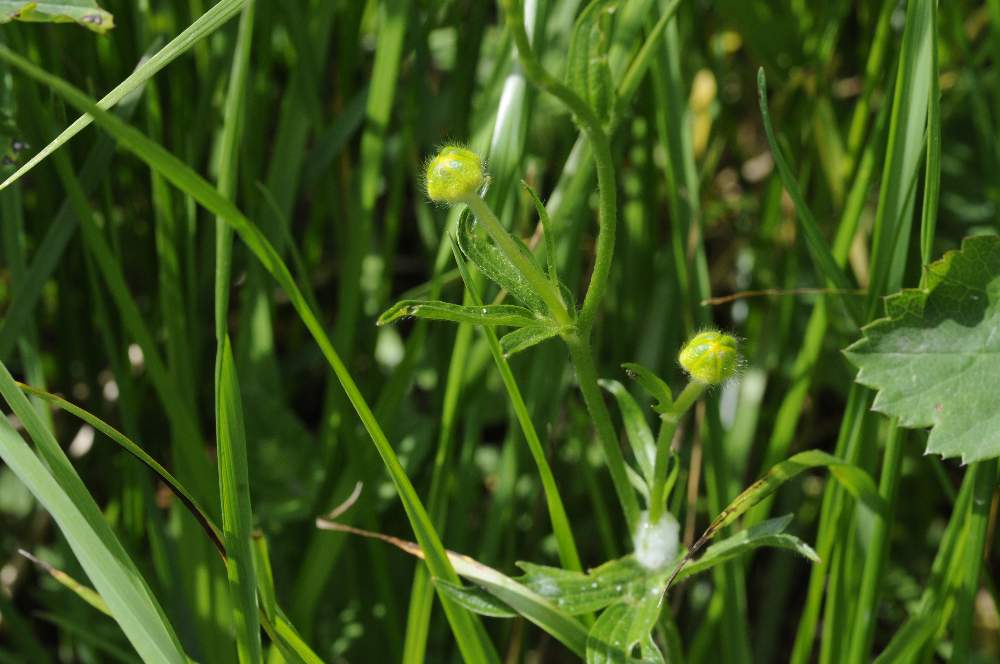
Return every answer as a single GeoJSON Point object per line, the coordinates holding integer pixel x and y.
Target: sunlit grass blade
{"type": "Point", "coordinates": [205, 25]}
{"type": "Point", "coordinates": [57, 486]}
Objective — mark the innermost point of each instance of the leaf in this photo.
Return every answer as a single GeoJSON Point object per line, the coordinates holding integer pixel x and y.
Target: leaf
{"type": "Point", "coordinates": [578, 593]}
{"type": "Point", "coordinates": [548, 235]}
{"type": "Point", "coordinates": [519, 597]}
{"type": "Point", "coordinates": [491, 261]}
{"type": "Point", "coordinates": [653, 384]}
{"type": "Point", "coordinates": [476, 600]}
{"type": "Point", "coordinates": [81, 12]}
{"type": "Point", "coordinates": [61, 491]}
{"type": "Point", "coordinates": [489, 314]}
{"type": "Point", "coordinates": [637, 430]}
{"type": "Point", "coordinates": [237, 518]}
{"type": "Point", "coordinates": [623, 627]}
{"type": "Point", "coordinates": [585, 31]}
{"type": "Point", "coordinates": [205, 25]}
{"type": "Point", "coordinates": [767, 533]}
{"type": "Point", "coordinates": [526, 337]}
{"type": "Point", "coordinates": [936, 354]}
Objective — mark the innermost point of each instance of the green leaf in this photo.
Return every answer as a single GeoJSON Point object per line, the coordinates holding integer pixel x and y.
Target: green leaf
{"type": "Point", "coordinates": [523, 599]}
{"type": "Point", "coordinates": [205, 25]}
{"type": "Point", "coordinates": [622, 627]}
{"type": "Point", "coordinates": [548, 235]}
{"type": "Point", "coordinates": [526, 337]}
{"type": "Point", "coordinates": [81, 12]}
{"type": "Point", "coordinates": [491, 261]}
{"type": "Point", "coordinates": [489, 314]}
{"type": "Point", "coordinates": [237, 518]}
{"type": "Point", "coordinates": [767, 533]}
{"type": "Point", "coordinates": [637, 430]}
{"type": "Point", "coordinates": [61, 491]}
{"type": "Point", "coordinates": [937, 352]}
{"type": "Point", "coordinates": [476, 600]}
{"type": "Point", "coordinates": [653, 384]}
{"type": "Point", "coordinates": [578, 593]}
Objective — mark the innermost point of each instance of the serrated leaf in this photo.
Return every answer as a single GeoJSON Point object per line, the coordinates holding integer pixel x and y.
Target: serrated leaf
{"type": "Point", "coordinates": [640, 436]}
{"type": "Point", "coordinates": [653, 384]}
{"type": "Point", "coordinates": [81, 12]}
{"type": "Point", "coordinates": [477, 600]}
{"type": "Point", "coordinates": [935, 358]}
{"type": "Point", "coordinates": [491, 261]}
{"type": "Point", "coordinates": [526, 337]}
{"type": "Point", "coordinates": [488, 314]}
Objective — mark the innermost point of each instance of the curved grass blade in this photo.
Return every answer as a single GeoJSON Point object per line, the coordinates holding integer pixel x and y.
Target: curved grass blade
{"type": "Point", "coordinates": [59, 489]}
{"type": "Point", "coordinates": [474, 647]}
{"type": "Point", "coordinates": [205, 25]}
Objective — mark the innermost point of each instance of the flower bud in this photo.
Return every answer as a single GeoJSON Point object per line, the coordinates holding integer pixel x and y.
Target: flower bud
{"type": "Point", "coordinates": [710, 357]}
{"type": "Point", "coordinates": [453, 174]}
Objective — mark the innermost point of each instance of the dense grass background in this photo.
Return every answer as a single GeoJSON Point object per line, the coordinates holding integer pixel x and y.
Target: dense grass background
{"type": "Point", "coordinates": [321, 147]}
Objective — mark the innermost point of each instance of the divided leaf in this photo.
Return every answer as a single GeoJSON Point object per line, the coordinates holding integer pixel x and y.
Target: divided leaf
{"type": "Point", "coordinates": [935, 357]}
{"type": "Point", "coordinates": [653, 384]}
{"type": "Point", "coordinates": [491, 261]}
{"type": "Point", "coordinates": [489, 314]}
{"type": "Point", "coordinates": [81, 12]}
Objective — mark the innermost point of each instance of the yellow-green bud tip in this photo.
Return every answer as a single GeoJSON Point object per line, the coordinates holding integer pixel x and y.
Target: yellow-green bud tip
{"type": "Point", "coordinates": [710, 357]}
{"type": "Point", "coordinates": [453, 174]}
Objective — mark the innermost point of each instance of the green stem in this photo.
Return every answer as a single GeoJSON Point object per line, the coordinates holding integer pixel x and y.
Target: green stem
{"type": "Point", "coordinates": [586, 373]}
{"type": "Point", "coordinates": [528, 269]}
{"type": "Point", "coordinates": [601, 145]}
{"type": "Point", "coordinates": [977, 528]}
{"type": "Point", "coordinates": [671, 419]}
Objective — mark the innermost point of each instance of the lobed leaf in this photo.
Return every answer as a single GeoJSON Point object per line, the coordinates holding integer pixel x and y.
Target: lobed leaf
{"type": "Point", "coordinates": [936, 353]}
{"type": "Point", "coordinates": [492, 262]}
{"type": "Point", "coordinates": [653, 384]}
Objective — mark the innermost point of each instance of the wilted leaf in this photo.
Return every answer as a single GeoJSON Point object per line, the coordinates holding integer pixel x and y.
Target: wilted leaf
{"type": "Point", "coordinates": [82, 12]}
{"type": "Point", "coordinates": [935, 358]}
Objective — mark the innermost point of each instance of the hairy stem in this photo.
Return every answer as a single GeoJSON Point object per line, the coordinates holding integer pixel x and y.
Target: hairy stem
{"type": "Point", "coordinates": [671, 419]}
{"type": "Point", "coordinates": [586, 373]}
{"type": "Point", "coordinates": [601, 145]}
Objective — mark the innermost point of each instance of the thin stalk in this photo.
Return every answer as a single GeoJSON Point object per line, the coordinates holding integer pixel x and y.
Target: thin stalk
{"type": "Point", "coordinates": [671, 419]}
{"type": "Point", "coordinates": [601, 146]}
{"type": "Point", "coordinates": [583, 361]}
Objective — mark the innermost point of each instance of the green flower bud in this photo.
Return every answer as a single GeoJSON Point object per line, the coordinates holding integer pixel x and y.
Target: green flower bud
{"type": "Point", "coordinates": [453, 174]}
{"type": "Point", "coordinates": [710, 357]}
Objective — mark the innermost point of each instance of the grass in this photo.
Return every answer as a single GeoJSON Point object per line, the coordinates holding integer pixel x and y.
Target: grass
{"type": "Point", "coordinates": [224, 384]}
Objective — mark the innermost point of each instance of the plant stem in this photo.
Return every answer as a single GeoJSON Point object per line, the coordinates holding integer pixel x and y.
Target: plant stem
{"type": "Point", "coordinates": [671, 419]}
{"type": "Point", "coordinates": [528, 269]}
{"type": "Point", "coordinates": [586, 374]}
{"type": "Point", "coordinates": [601, 145]}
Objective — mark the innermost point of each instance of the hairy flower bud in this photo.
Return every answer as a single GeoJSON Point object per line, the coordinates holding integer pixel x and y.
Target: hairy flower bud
{"type": "Point", "coordinates": [454, 173]}
{"type": "Point", "coordinates": [710, 357]}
